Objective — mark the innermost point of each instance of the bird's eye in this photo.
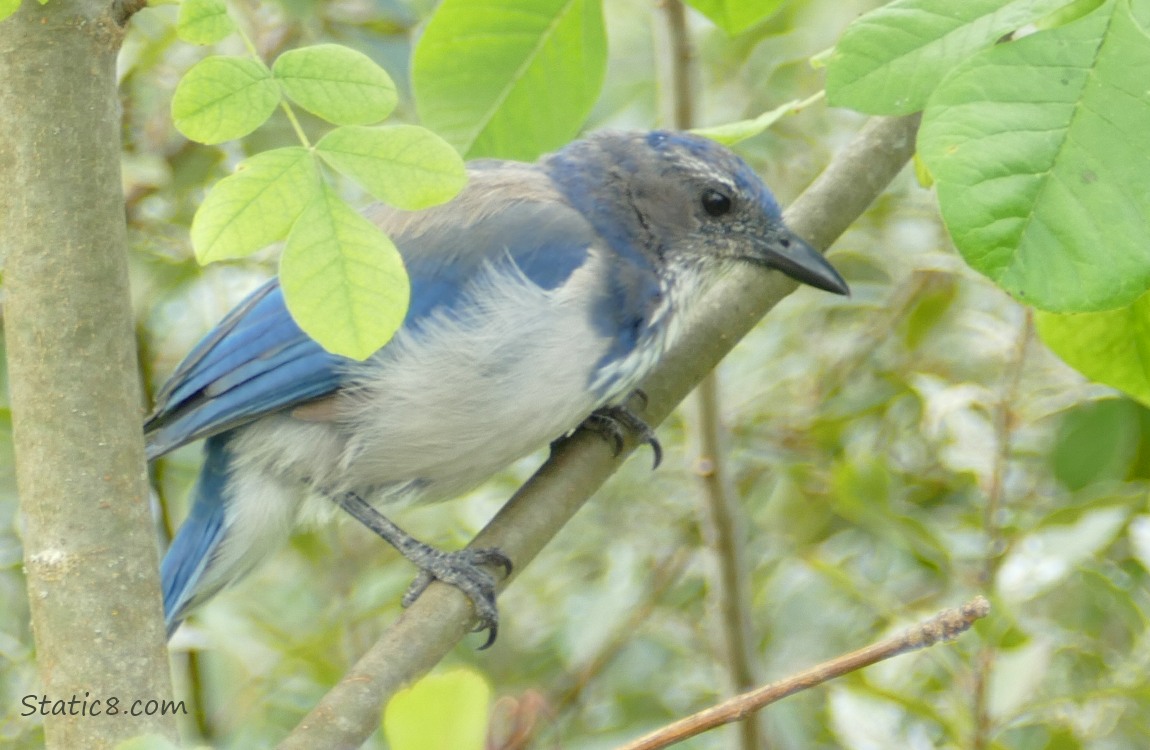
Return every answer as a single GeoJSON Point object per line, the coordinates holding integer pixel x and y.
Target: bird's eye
{"type": "Point", "coordinates": [715, 203]}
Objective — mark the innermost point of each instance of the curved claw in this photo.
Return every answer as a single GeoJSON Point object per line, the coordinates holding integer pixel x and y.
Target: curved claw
{"type": "Point", "coordinates": [611, 421]}
{"type": "Point", "coordinates": [463, 570]}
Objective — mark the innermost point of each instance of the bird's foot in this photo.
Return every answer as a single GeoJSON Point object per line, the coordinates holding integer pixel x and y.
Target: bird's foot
{"type": "Point", "coordinates": [612, 421]}
{"type": "Point", "coordinates": [464, 570]}
{"type": "Point", "coordinates": [461, 569]}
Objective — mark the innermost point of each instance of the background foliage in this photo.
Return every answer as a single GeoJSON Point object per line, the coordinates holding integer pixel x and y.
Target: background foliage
{"type": "Point", "coordinates": [894, 452]}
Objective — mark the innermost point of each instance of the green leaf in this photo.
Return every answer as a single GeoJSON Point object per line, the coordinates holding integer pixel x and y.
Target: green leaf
{"type": "Point", "coordinates": [1097, 441]}
{"type": "Point", "coordinates": [510, 78]}
{"type": "Point", "coordinates": [736, 16]}
{"type": "Point", "coordinates": [404, 165]}
{"type": "Point", "coordinates": [256, 206]}
{"type": "Point", "coordinates": [1111, 347]}
{"type": "Point", "coordinates": [8, 7]}
{"type": "Point", "coordinates": [336, 83]}
{"type": "Point", "coordinates": [343, 280]}
{"type": "Point", "coordinates": [731, 133]}
{"type": "Point", "coordinates": [1074, 10]}
{"type": "Point", "coordinates": [222, 98]}
{"type": "Point", "coordinates": [891, 59]}
{"type": "Point", "coordinates": [1040, 150]}
{"type": "Point", "coordinates": [440, 712]}
{"type": "Point", "coordinates": [204, 21]}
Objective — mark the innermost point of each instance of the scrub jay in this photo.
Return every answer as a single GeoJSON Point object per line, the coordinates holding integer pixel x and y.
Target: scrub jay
{"type": "Point", "coordinates": [540, 298]}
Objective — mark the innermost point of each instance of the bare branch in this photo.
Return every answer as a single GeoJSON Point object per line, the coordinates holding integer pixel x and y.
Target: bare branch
{"type": "Point", "coordinates": [996, 544]}
{"type": "Point", "coordinates": [944, 626]}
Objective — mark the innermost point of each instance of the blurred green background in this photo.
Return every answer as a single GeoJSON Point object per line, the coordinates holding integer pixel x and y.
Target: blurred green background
{"type": "Point", "coordinates": [893, 453]}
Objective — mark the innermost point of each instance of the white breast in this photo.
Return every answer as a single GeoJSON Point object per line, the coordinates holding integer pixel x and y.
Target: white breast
{"type": "Point", "coordinates": [458, 399]}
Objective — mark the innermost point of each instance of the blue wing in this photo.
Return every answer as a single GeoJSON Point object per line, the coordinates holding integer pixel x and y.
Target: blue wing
{"type": "Point", "coordinates": [509, 213]}
{"type": "Point", "coordinates": [258, 361]}
{"type": "Point", "coordinates": [192, 549]}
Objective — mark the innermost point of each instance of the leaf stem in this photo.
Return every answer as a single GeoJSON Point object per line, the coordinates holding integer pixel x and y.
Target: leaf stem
{"type": "Point", "coordinates": [295, 123]}
{"type": "Point", "coordinates": [287, 110]}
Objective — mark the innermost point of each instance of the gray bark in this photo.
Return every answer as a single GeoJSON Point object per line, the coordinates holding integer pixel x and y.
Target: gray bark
{"type": "Point", "coordinates": [90, 553]}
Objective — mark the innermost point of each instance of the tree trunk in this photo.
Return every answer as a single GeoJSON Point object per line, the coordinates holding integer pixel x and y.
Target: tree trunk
{"type": "Point", "coordinates": [89, 550]}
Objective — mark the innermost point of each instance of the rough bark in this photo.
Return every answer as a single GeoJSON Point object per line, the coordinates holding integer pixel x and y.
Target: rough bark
{"type": "Point", "coordinates": [90, 554]}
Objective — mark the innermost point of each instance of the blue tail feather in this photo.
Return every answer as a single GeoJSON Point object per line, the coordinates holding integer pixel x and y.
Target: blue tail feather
{"type": "Point", "coordinates": [200, 535]}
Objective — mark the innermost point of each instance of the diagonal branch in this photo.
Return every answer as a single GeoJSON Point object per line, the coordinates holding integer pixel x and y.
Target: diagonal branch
{"type": "Point", "coordinates": [943, 626]}
{"type": "Point", "coordinates": [579, 466]}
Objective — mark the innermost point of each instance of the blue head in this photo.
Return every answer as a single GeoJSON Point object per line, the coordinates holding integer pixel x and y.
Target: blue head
{"type": "Point", "coordinates": [686, 203]}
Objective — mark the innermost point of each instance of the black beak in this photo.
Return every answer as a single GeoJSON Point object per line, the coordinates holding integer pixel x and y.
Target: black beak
{"type": "Point", "coordinates": [788, 253]}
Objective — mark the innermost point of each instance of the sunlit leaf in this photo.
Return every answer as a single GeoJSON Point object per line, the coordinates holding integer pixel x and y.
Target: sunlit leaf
{"type": "Point", "coordinates": [204, 21]}
{"type": "Point", "coordinates": [256, 206]}
{"type": "Point", "coordinates": [343, 279]}
{"type": "Point", "coordinates": [1112, 347]}
{"type": "Point", "coordinates": [221, 98]}
{"type": "Point", "coordinates": [8, 7]}
{"type": "Point", "coordinates": [336, 83]}
{"type": "Point", "coordinates": [440, 712]}
{"type": "Point", "coordinates": [404, 165]}
{"type": "Point", "coordinates": [510, 78]}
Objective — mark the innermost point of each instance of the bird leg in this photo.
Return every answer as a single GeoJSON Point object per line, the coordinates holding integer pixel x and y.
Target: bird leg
{"type": "Point", "coordinates": [612, 421]}
{"type": "Point", "coordinates": [461, 568]}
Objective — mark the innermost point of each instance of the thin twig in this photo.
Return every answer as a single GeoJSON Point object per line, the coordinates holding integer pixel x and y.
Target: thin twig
{"type": "Point", "coordinates": [944, 626]}
{"type": "Point", "coordinates": [721, 519]}
{"type": "Point", "coordinates": [992, 526]}
{"type": "Point", "coordinates": [681, 100]}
